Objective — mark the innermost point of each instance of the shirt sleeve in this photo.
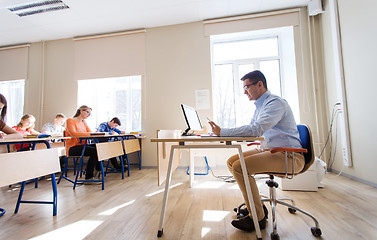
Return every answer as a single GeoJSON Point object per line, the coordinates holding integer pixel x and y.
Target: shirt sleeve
{"type": "Point", "coordinates": [101, 128]}
{"type": "Point", "coordinates": [270, 114]}
{"type": "Point", "coordinates": [117, 130]}
{"type": "Point", "coordinates": [46, 129]}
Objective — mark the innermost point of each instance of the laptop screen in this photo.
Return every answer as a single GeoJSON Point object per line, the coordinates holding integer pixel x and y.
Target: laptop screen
{"type": "Point", "coordinates": [192, 118]}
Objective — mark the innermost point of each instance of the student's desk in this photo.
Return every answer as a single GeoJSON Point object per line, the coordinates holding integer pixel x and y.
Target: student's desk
{"type": "Point", "coordinates": [207, 142]}
{"type": "Point", "coordinates": [33, 172]}
{"type": "Point", "coordinates": [96, 138]}
{"type": "Point", "coordinates": [31, 141]}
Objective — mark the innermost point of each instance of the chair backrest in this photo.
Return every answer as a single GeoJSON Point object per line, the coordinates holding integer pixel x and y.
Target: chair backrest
{"type": "Point", "coordinates": [131, 145]}
{"type": "Point", "coordinates": [307, 143]}
{"type": "Point", "coordinates": [21, 166]}
{"type": "Point", "coordinates": [106, 150]}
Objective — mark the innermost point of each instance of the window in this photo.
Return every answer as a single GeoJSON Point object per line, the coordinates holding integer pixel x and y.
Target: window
{"type": "Point", "coordinates": [14, 92]}
{"type": "Point", "coordinates": [234, 55]}
{"type": "Point", "coordinates": [112, 97]}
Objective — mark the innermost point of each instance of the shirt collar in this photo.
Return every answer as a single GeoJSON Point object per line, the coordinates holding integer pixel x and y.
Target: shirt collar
{"type": "Point", "coordinates": [261, 99]}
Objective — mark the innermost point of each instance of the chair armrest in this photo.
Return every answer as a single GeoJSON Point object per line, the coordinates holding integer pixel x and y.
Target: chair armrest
{"type": "Point", "coordinates": [288, 149]}
{"type": "Point", "coordinates": [253, 143]}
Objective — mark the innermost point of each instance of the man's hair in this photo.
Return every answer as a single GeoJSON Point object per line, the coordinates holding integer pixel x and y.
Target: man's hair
{"type": "Point", "coordinates": [115, 120]}
{"type": "Point", "coordinates": [255, 76]}
{"type": "Point", "coordinates": [60, 115]}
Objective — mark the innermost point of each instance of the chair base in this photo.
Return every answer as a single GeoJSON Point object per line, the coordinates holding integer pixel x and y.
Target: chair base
{"type": "Point", "coordinates": [316, 231]}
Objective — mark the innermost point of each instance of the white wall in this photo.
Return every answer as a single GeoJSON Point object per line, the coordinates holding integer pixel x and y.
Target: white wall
{"type": "Point", "coordinates": [178, 63]}
{"type": "Point", "coordinates": [359, 37]}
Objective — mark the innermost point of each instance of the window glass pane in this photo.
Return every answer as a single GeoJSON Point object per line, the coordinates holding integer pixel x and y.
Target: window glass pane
{"type": "Point", "coordinates": [271, 70]}
{"type": "Point", "coordinates": [14, 92]}
{"type": "Point", "coordinates": [246, 49]}
{"type": "Point", "coordinates": [223, 95]}
{"type": "Point", "coordinates": [244, 52]}
{"type": "Point", "coordinates": [244, 107]}
{"type": "Point", "coordinates": [112, 97]}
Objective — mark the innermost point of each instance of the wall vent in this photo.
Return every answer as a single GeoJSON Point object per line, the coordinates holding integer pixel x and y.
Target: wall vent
{"type": "Point", "coordinates": [38, 7]}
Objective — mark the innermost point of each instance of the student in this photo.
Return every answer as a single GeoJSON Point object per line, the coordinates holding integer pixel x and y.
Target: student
{"type": "Point", "coordinates": [56, 128]}
{"type": "Point", "coordinates": [111, 128]}
{"type": "Point", "coordinates": [25, 127]}
{"type": "Point", "coordinates": [273, 119]}
{"type": "Point", "coordinates": [77, 127]}
{"type": "Point", "coordinates": [6, 131]}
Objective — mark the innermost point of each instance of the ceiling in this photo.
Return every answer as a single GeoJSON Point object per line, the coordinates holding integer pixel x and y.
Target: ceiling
{"type": "Point", "coordinates": [88, 17]}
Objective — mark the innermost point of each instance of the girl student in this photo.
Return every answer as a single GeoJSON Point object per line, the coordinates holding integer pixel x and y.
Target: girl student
{"type": "Point", "coordinates": [25, 127]}
{"type": "Point", "coordinates": [6, 132]}
{"type": "Point", "coordinates": [77, 127]}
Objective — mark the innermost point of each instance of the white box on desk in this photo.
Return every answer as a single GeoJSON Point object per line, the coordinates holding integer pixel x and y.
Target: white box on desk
{"type": "Point", "coordinates": [306, 181]}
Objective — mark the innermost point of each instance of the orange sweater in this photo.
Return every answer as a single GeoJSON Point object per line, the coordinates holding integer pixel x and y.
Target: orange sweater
{"type": "Point", "coordinates": [75, 129]}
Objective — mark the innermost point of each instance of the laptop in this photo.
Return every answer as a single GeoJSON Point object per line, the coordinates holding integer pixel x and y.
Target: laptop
{"type": "Point", "coordinates": [193, 121]}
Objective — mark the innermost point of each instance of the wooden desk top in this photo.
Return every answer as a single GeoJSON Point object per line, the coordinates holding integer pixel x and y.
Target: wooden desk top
{"type": "Point", "coordinates": [205, 139]}
{"type": "Point", "coordinates": [18, 140]}
{"type": "Point", "coordinates": [108, 136]}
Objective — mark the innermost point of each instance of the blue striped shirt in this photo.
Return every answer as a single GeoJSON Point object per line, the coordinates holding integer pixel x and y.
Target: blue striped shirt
{"type": "Point", "coordinates": [104, 127]}
{"type": "Point", "coordinates": [273, 119]}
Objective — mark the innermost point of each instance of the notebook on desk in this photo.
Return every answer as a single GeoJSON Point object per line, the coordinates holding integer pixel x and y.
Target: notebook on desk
{"type": "Point", "coordinates": [97, 134]}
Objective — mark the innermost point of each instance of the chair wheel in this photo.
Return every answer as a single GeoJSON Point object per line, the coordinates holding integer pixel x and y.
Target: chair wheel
{"type": "Point", "coordinates": [292, 210]}
{"type": "Point", "coordinates": [316, 231]}
{"type": "Point", "coordinates": [275, 236]}
{"type": "Point", "coordinates": [160, 232]}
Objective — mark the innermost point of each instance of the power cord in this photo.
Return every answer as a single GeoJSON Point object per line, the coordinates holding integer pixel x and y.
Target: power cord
{"type": "Point", "coordinates": [329, 139]}
{"type": "Point", "coordinates": [227, 179]}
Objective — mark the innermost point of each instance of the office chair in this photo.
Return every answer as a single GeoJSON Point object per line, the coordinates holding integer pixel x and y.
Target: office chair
{"type": "Point", "coordinates": [307, 150]}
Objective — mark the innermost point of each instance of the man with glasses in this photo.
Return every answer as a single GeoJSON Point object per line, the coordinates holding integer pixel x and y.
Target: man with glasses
{"type": "Point", "coordinates": [273, 119]}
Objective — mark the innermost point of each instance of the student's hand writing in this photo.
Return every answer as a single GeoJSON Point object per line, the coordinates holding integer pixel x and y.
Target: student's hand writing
{"type": "Point", "coordinates": [215, 128]}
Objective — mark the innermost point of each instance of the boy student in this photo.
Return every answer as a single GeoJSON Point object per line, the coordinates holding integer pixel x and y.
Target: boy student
{"type": "Point", "coordinates": [111, 128]}
{"type": "Point", "coordinates": [56, 128]}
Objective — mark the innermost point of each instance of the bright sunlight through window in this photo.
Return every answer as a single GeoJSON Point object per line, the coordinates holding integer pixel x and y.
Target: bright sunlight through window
{"type": "Point", "coordinates": [112, 97]}
{"type": "Point", "coordinates": [236, 54]}
{"type": "Point", "coordinates": [214, 215]}
{"type": "Point", "coordinates": [14, 92]}
{"type": "Point", "coordinates": [76, 231]}
{"type": "Point", "coordinates": [114, 209]}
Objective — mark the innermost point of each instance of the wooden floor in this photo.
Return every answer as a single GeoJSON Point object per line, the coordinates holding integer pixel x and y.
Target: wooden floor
{"type": "Point", "coordinates": [130, 209]}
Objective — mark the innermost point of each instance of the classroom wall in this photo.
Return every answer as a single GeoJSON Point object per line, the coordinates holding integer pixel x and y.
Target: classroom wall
{"type": "Point", "coordinates": [359, 37]}
{"type": "Point", "coordinates": [178, 63]}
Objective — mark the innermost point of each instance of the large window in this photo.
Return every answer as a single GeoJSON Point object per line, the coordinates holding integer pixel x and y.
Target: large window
{"type": "Point", "coordinates": [112, 97]}
{"type": "Point", "coordinates": [14, 92]}
{"type": "Point", "coordinates": [234, 55]}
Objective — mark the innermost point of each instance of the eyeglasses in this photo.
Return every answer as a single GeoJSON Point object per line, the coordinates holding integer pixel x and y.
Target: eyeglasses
{"type": "Point", "coordinates": [247, 86]}
{"type": "Point", "coordinates": [87, 112]}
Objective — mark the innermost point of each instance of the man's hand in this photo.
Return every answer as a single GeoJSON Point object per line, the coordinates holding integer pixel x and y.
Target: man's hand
{"type": "Point", "coordinates": [215, 128]}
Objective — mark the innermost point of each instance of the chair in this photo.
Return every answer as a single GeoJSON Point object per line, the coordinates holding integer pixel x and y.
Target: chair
{"type": "Point", "coordinates": [307, 150]}
{"type": "Point", "coordinates": [66, 158]}
{"type": "Point", "coordinates": [130, 146]}
{"type": "Point", "coordinates": [106, 150]}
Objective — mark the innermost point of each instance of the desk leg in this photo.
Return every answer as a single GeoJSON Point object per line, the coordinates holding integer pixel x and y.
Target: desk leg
{"type": "Point", "coordinates": [249, 193]}
{"type": "Point", "coordinates": [54, 195]}
{"type": "Point", "coordinates": [80, 164]}
{"type": "Point", "coordinates": [166, 192]}
{"type": "Point", "coordinates": [191, 170]}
